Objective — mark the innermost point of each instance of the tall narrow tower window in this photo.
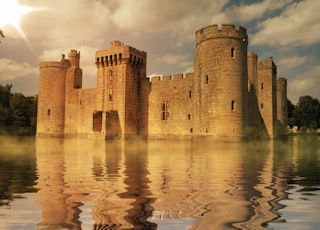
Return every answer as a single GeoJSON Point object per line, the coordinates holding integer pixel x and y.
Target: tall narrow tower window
{"type": "Point", "coordinates": [232, 52]}
{"type": "Point", "coordinates": [207, 79]}
{"type": "Point", "coordinates": [164, 114]}
{"type": "Point", "coordinates": [233, 105]}
{"type": "Point", "coordinates": [190, 93]}
{"type": "Point", "coordinates": [102, 61]}
{"type": "Point", "coordinates": [120, 57]}
{"type": "Point", "coordinates": [48, 112]}
{"type": "Point", "coordinates": [110, 86]}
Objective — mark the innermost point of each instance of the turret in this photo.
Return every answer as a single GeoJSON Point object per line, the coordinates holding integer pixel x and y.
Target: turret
{"type": "Point", "coordinates": [51, 98]}
{"type": "Point", "coordinates": [220, 81]}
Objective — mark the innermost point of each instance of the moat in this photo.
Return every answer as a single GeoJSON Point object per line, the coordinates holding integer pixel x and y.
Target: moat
{"type": "Point", "coordinates": [52, 183]}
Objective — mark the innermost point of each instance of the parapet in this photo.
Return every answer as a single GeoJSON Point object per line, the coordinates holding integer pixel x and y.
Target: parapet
{"type": "Point", "coordinates": [282, 81]}
{"type": "Point", "coordinates": [175, 77]}
{"type": "Point", "coordinates": [252, 54]}
{"type": "Point", "coordinates": [119, 53]}
{"type": "Point", "coordinates": [226, 31]}
{"type": "Point", "coordinates": [74, 57]}
{"type": "Point", "coordinates": [55, 64]}
{"type": "Point", "coordinates": [116, 43]}
{"type": "Point", "coordinates": [267, 64]}
{"type": "Point", "coordinates": [63, 63]}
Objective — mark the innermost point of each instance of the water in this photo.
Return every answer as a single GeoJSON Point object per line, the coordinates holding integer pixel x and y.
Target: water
{"type": "Point", "coordinates": [87, 184]}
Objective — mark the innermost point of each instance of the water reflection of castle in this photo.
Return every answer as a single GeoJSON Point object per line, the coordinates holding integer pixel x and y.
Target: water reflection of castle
{"type": "Point", "coordinates": [85, 184]}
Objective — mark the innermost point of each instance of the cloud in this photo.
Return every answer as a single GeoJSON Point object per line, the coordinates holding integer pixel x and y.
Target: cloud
{"type": "Point", "coordinates": [297, 25]}
{"type": "Point", "coordinates": [305, 84]}
{"type": "Point", "coordinates": [245, 13]}
{"type": "Point", "coordinates": [171, 58]}
{"type": "Point", "coordinates": [60, 24]}
{"type": "Point", "coordinates": [288, 63]}
{"type": "Point", "coordinates": [10, 69]}
{"type": "Point", "coordinates": [87, 61]}
{"type": "Point", "coordinates": [156, 16]}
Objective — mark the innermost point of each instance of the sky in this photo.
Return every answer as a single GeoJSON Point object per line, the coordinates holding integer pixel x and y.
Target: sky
{"type": "Point", "coordinates": [42, 30]}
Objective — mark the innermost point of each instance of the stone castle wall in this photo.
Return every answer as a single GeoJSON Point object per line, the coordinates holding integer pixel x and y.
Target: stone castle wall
{"type": "Point", "coordinates": [230, 94]}
{"type": "Point", "coordinates": [170, 105]}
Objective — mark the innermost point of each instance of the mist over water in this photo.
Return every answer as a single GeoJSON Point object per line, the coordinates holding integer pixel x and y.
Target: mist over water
{"type": "Point", "coordinates": [192, 184]}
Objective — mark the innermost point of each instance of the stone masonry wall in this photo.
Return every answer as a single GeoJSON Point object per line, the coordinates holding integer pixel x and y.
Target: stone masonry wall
{"type": "Point", "coordinates": [220, 70]}
{"type": "Point", "coordinates": [170, 106]}
{"type": "Point", "coordinates": [267, 95]}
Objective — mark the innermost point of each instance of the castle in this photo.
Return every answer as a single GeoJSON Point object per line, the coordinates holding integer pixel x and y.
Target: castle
{"type": "Point", "coordinates": [230, 95]}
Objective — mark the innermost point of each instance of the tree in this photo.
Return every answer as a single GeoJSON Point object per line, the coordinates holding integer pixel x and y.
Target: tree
{"type": "Point", "coordinates": [1, 35]}
{"type": "Point", "coordinates": [17, 113]}
{"type": "Point", "coordinates": [5, 94]}
{"type": "Point", "coordinates": [307, 112]}
{"type": "Point", "coordinates": [291, 119]}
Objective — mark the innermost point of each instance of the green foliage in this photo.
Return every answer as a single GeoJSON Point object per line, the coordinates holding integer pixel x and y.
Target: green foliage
{"type": "Point", "coordinates": [306, 114]}
{"type": "Point", "coordinates": [17, 112]}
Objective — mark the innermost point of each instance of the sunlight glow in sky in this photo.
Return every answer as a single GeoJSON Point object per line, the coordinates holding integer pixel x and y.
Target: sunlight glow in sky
{"type": "Point", "coordinates": [11, 13]}
{"type": "Point", "coordinates": [38, 30]}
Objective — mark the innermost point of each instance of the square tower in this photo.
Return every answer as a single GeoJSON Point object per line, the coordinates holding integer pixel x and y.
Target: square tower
{"type": "Point", "coordinates": [122, 91]}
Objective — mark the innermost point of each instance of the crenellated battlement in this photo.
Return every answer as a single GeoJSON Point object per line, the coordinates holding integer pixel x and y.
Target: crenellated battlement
{"type": "Point", "coordinates": [267, 64]}
{"type": "Point", "coordinates": [282, 80]}
{"type": "Point", "coordinates": [252, 54]}
{"type": "Point", "coordinates": [225, 31]}
{"type": "Point", "coordinates": [119, 53]}
{"type": "Point", "coordinates": [55, 64]}
{"type": "Point", "coordinates": [175, 77]}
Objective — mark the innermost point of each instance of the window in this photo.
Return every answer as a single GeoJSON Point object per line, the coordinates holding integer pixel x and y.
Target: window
{"type": "Point", "coordinates": [97, 121]}
{"type": "Point", "coordinates": [261, 85]}
{"type": "Point", "coordinates": [232, 52]}
{"type": "Point", "coordinates": [261, 105]}
{"type": "Point", "coordinates": [190, 94]}
{"type": "Point", "coordinates": [207, 79]}
{"type": "Point", "coordinates": [165, 113]}
{"type": "Point", "coordinates": [120, 57]}
{"type": "Point", "coordinates": [233, 105]}
{"type": "Point", "coordinates": [48, 112]}
{"type": "Point", "coordinates": [189, 116]}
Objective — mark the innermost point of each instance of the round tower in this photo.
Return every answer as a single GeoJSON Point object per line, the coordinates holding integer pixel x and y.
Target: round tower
{"type": "Point", "coordinates": [51, 98]}
{"type": "Point", "coordinates": [221, 81]}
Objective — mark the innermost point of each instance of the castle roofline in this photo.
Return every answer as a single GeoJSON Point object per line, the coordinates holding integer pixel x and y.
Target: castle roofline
{"type": "Point", "coordinates": [221, 32]}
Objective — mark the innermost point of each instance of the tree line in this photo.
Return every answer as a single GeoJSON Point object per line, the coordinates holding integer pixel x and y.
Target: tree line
{"type": "Point", "coordinates": [18, 113]}
{"type": "Point", "coordinates": [305, 115]}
